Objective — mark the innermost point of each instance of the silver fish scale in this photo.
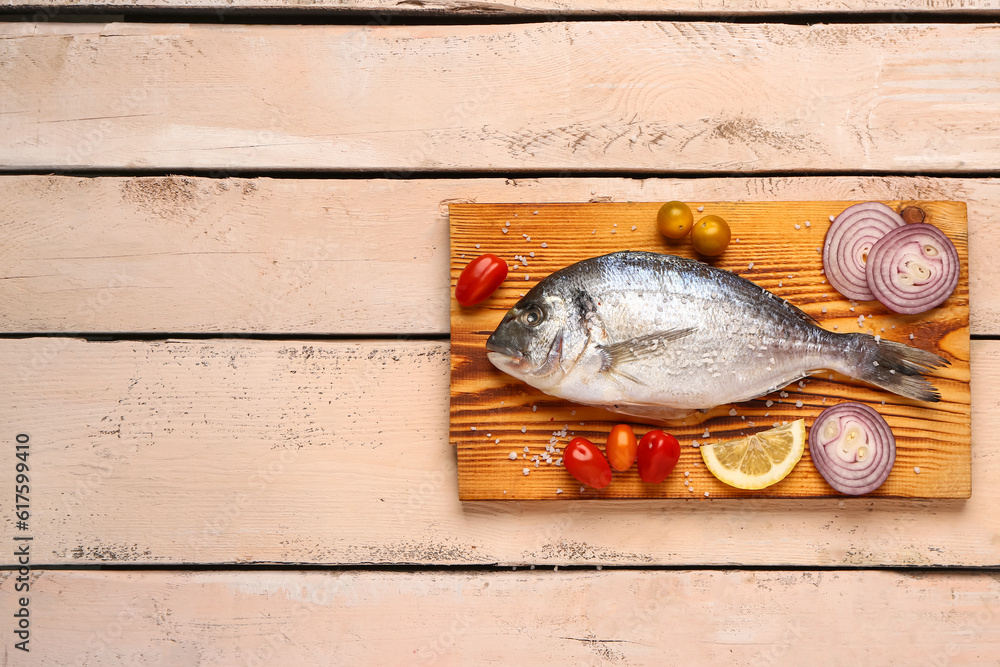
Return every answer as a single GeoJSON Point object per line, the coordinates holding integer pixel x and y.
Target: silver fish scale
{"type": "Point", "coordinates": [745, 341]}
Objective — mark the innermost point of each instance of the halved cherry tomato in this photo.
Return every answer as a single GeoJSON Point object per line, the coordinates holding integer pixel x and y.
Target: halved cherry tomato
{"type": "Point", "coordinates": [658, 454]}
{"type": "Point", "coordinates": [586, 463]}
{"type": "Point", "coordinates": [621, 447]}
{"type": "Point", "coordinates": [480, 278]}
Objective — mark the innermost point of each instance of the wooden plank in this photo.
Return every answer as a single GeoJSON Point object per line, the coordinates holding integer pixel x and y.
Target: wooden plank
{"type": "Point", "coordinates": [319, 256]}
{"type": "Point", "coordinates": [510, 416]}
{"type": "Point", "coordinates": [678, 97]}
{"type": "Point", "coordinates": [383, 12]}
{"type": "Point", "coordinates": [540, 617]}
{"type": "Point", "coordinates": [269, 451]}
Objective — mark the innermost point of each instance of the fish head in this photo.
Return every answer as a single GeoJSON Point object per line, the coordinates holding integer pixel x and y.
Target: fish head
{"type": "Point", "coordinates": [535, 338]}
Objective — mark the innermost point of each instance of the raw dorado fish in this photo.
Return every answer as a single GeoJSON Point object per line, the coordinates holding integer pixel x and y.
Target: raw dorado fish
{"type": "Point", "coordinates": [660, 337]}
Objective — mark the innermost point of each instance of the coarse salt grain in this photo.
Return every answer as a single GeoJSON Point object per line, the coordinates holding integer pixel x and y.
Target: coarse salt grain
{"type": "Point", "coordinates": [534, 408]}
{"type": "Point", "coordinates": [687, 474]}
{"type": "Point", "coordinates": [525, 471]}
{"type": "Point", "coordinates": [545, 245]}
{"type": "Point", "coordinates": [877, 338]}
{"type": "Point", "coordinates": [701, 208]}
{"type": "Point", "coordinates": [558, 490]}
{"type": "Point", "coordinates": [750, 266]}
{"type": "Point", "coordinates": [477, 245]}
{"type": "Point", "coordinates": [732, 412]}
{"type": "Point", "coordinates": [798, 226]}
{"type": "Point", "coordinates": [497, 441]}
{"type": "Point", "coordinates": [832, 218]}
{"type": "Point", "coordinates": [706, 494]}
{"type": "Point", "coordinates": [769, 403]}
{"type": "Point", "coordinates": [526, 450]}
{"type": "Point", "coordinates": [808, 224]}
{"type": "Point", "coordinates": [535, 213]}
{"type": "Point", "coordinates": [473, 428]}
{"type": "Point", "coordinates": [526, 276]}
{"type": "Point", "coordinates": [916, 469]}
{"type": "Point", "coordinates": [798, 404]}
{"type": "Point", "coordinates": [512, 456]}
{"type": "Point", "coordinates": [503, 229]}
{"type": "Point", "coordinates": [507, 223]}
{"type": "Point", "coordinates": [823, 309]}
{"type": "Point", "coordinates": [634, 228]}
{"type": "Point", "coordinates": [911, 336]}
{"type": "Point", "coordinates": [524, 429]}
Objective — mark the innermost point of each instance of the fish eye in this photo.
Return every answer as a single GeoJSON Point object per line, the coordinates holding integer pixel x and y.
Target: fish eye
{"type": "Point", "coordinates": [533, 316]}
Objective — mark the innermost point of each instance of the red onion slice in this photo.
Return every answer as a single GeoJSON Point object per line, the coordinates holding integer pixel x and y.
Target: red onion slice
{"type": "Point", "coordinates": [852, 447]}
{"type": "Point", "coordinates": [849, 242]}
{"type": "Point", "coordinates": [913, 268]}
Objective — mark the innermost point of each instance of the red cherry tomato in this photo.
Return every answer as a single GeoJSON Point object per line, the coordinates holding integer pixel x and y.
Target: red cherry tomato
{"type": "Point", "coordinates": [621, 447]}
{"type": "Point", "coordinates": [586, 463]}
{"type": "Point", "coordinates": [658, 454]}
{"type": "Point", "coordinates": [480, 278]}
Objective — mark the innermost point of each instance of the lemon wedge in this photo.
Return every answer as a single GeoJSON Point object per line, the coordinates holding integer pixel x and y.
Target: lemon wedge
{"type": "Point", "coordinates": [759, 460]}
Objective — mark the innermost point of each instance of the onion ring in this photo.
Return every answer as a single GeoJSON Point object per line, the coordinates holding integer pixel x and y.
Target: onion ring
{"type": "Point", "coordinates": [848, 245]}
{"type": "Point", "coordinates": [913, 268]}
{"type": "Point", "coordinates": [852, 447]}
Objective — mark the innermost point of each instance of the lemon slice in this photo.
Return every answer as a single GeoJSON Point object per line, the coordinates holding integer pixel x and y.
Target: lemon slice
{"type": "Point", "coordinates": [759, 460]}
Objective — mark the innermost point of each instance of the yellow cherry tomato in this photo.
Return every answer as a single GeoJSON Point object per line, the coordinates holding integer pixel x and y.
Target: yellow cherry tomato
{"type": "Point", "coordinates": [621, 448]}
{"type": "Point", "coordinates": [710, 236]}
{"type": "Point", "coordinates": [674, 220]}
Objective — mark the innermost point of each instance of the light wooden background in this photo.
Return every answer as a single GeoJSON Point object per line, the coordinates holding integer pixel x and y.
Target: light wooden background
{"type": "Point", "coordinates": [224, 305]}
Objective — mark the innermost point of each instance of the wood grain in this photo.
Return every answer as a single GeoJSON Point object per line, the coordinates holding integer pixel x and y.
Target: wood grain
{"type": "Point", "coordinates": [494, 414]}
{"type": "Point", "coordinates": [228, 451]}
{"type": "Point", "coordinates": [383, 12]}
{"type": "Point", "coordinates": [707, 97]}
{"type": "Point", "coordinates": [580, 618]}
{"type": "Point", "coordinates": [329, 256]}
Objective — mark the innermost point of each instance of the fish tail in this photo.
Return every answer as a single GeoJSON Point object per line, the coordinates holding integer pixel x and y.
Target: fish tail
{"type": "Point", "coordinates": [893, 366]}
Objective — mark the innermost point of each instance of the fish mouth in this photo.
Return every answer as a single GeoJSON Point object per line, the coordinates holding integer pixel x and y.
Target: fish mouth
{"type": "Point", "coordinates": [501, 349]}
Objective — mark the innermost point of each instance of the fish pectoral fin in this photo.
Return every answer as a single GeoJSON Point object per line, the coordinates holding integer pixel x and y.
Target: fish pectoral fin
{"type": "Point", "coordinates": [640, 347]}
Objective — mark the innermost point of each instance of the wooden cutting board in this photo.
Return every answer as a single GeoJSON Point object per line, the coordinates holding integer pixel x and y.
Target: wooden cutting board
{"type": "Point", "coordinates": [778, 246]}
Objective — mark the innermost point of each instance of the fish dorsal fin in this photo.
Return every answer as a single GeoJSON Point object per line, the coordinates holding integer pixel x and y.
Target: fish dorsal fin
{"type": "Point", "coordinates": [640, 347]}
